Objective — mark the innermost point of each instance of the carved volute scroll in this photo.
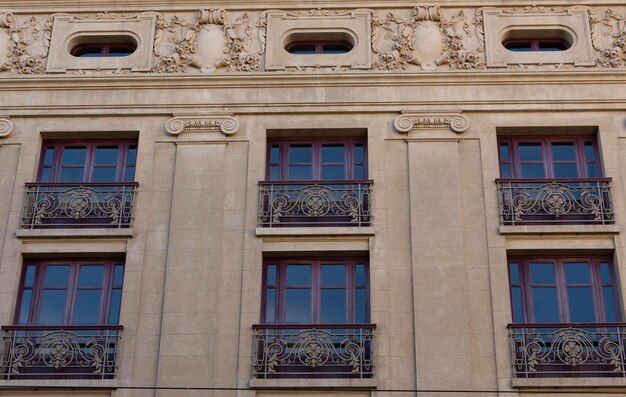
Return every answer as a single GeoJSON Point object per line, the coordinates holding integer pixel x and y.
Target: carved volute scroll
{"type": "Point", "coordinates": [225, 123]}
{"type": "Point", "coordinates": [414, 121]}
{"type": "Point", "coordinates": [6, 126]}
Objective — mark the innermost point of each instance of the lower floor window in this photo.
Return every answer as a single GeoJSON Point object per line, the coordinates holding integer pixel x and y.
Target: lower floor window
{"type": "Point", "coordinates": [563, 290]}
{"type": "Point", "coordinates": [80, 293]}
{"type": "Point", "coordinates": [319, 291]}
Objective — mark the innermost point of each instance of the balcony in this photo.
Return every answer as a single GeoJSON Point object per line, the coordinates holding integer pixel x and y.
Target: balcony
{"type": "Point", "coordinates": [315, 204]}
{"type": "Point", "coordinates": [78, 205]}
{"type": "Point", "coordinates": [313, 351]}
{"type": "Point", "coordinates": [63, 352]}
{"type": "Point", "coordinates": [555, 201]}
{"type": "Point", "coordinates": [568, 350]}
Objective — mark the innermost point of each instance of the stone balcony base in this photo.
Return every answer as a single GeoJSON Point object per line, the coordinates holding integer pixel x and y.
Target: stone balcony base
{"type": "Point", "coordinates": [343, 384]}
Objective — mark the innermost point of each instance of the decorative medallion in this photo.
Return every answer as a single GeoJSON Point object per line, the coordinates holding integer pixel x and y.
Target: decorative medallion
{"type": "Point", "coordinates": [6, 127]}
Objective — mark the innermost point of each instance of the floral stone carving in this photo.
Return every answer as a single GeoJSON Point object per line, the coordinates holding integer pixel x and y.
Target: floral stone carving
{"type": "Point", "coordinates": [16, 45]}
{"type": "Point", "coordinates": [227, 124]}
{"type": "Point", "coordinates": [410, 121]}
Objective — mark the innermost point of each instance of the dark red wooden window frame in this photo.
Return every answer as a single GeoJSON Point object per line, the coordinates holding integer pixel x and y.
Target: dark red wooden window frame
{"type": "Point", "coordinates": [319, 46]}
{"type": "Point", "coordinates": [37, 289]}
{"type": "Point", "coordinates": [59, 146]}
{"type": "Point", "coordinates": [548, 162]}
{"type": "Point", "coordinates": [283, 155]}
{"type": "Point", "coordinates": [315, 287]}
{"type": "Point", "coordinates": [535, 43]}
{"type": "Point", "coordinates": [104, 48]}
{"type": "Point", "coordinates": [561, 286]}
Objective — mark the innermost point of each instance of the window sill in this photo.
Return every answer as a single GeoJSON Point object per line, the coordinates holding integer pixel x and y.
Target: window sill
{"type": "Point", "coordinates": [313, 383]}
{"type": "Point", "coordinates": [570, 383]}
{"type": "Point", "coordinates": [30, 384]}
{"type": "Point", "coordinates": [314, 231]}
{"type": "Point", "coordinates": [559, 229]}
{"type": "Point", "coordinates": [74, 233]}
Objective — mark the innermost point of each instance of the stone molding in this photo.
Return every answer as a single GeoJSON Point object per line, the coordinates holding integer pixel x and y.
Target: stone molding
{"type": "Point", "coordinates": [427, 120]}
{"type": "Point", "coordinates": [226, 123]}
{"type": "Point", "coordinates": [6, 126]}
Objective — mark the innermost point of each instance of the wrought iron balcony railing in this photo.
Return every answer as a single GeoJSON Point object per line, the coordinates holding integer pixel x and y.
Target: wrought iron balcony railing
{"type": "Point", "coordinates": [78, 205]}
{"type": "Point", "coordinates": [568, 350]}
{"type": "Point", "coordinates": [67, 352]}
{"type": "Point", "coordinates": [555, 201]}
{"type": "Point", "coordinates": [313, 351]}
{"type": "Point", "coordinates": [315, 203]}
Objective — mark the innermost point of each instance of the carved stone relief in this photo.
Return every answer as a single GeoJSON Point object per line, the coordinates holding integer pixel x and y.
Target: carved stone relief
{"type": "Point", "coordinates": [225, 123]}
{"type": "Point", "coordinates": [418, 120]}
{"type": "Point", "coordinates": [18, 44]}
{"type": "Point", "coordinates": [6, 126]}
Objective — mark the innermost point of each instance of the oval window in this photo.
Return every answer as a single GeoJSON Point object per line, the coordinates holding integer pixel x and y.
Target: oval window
{"type": "Point", "coordinates": [539, 40]}
{"type": "Point", "coordinates": [319, 43]}
{"type": "Point", "coordinates": [103, 46]}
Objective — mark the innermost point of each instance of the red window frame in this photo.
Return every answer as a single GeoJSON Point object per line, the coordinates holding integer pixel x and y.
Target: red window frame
{"type": "Point", "coordinates": [280, 287]}
{"type": "Point", "coordinates": [604, 312]}
{"type": "Point", "coordinates": [535, 44]}
{"type": "Point", "coordinates": [320, 46]}
{"type": "Point", "coordinates": [104, 49]}
{"type": "Point", "coordinates": [107, 288]}
{"type": "Point", "coordinates": [281, 162]}
{"type": "Point", "coordinates": [586, 152]}
{"type": "Point", "coordinates": [124, 166]}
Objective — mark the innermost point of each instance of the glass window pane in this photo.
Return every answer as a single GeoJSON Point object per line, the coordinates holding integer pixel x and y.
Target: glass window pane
{"type": "Point", "coordinates": [333, 172]}
{"type": "Point", "coordinates": [274, 173]}
{"type": "Point", "coordinates": [605, 273]}
{"type": "Point", "coordinates": [104, 174]}
{"type": "Point", "coordinates": [333, 154]}
{"type": "Point", "coordinates": [107, 154]}
{"type": "Point", "coordinates": [57, 275]}
{"type": "Point", "coordinates": [590, 153]}
{"type": "Point", "coordinates": [580, 301]}
{"type": "Point", "coordinates": [333, 275]}
{"type": "Point", "coordinates": [545, 305]}
{"type": "Point", "coordinates": [609, 304]}
{"type": "Point", "coordinates": [45, 174]}
{"type": "Point", "coordinates": [516, 297]}
{"type": "Point", "coordinates": [299, 275]}
{"type": "Point", "coordinates": [302, 48]}
{"type": "Point", "coordinates": [514, 273]}
{"type": "Point", "coordinates": [129, 174]}
{"type": "Point", "coordinates": [29, 277]}
{"type": "Point", "coordinates": [333, 306]}
{"type": "Point", "coordinates": [535, 171]}
{"type": "Point", "coordinates": [74, 174]}
{"type": "Point", "coordinates": [87, 307]}
{"type": "Point", "coordinates": [270, 305]}
{"type": "Point", "coordinates": [275, 154]}
{"type": "Point", "coordinates": [114, 312]}
{"type": "Point", "coordinates": [52, 307]}
{"type": "Point", "coordinates": [577, 273]}
{"type": "Point", "coordinates": [360, 274]}
{"type": "Point", "coordinates": [300, 173]}
{"type": "Point", "coordinates": [118, 276]}
{"type": "Point", "coordinates": [504, 152]}
{"type": "Point", "coordinates": [359, 172]}
{"type": "Point", "coordinates": [563, 151]}
{"type": "Point", "coordinates": [132, 155]}
{"type": "Point", "coordinates": [359, 303]}
{"type": "Point", "coordinates": [271, 275]}
{"type": "Point", "coordinates": [91, 276]}
{"type": "Point", "coordinates": [25, 307]}
{"type": "Point", "coordinates": [531, 151]}
{"type": "Point", "coordinates": [542, 273]}
{"type": "Point", "coordinates": [505, 171]}
{"type": "Point", "coordinates": [592, 170]}
{"type": "Point", "coordinates": [74, 155]}
{"type": "Point", "coordinates": [359, 153]}
{"type": "Point", "coordinates": [298, 306]}
{"type": "Point", "coordinates": [565, 171]}
{"type": "Point", "coordinates": [48, 155]}
{"type": "Point", "coordinates": [300, 154]}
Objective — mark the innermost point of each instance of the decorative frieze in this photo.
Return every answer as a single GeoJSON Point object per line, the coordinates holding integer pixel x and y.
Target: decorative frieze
{"type": "Point", "coordinates": [415, 121]}
{"type": "Point", "coordinates": [178, 124]}
{"type": "Point", "coordinates": [6, 127]}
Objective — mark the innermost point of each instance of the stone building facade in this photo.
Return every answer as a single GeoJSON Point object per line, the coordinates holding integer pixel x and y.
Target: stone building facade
{"type": "Point", "coordinates": [312, 198]}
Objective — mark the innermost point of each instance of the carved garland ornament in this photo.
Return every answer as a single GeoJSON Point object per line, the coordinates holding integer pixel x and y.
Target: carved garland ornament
{"type": "Point", "coordinates": [6, 127]}
{"type": "Point", "coordinates": [412, 121]}
{"type": "Point", "coordinates": [224, 123]}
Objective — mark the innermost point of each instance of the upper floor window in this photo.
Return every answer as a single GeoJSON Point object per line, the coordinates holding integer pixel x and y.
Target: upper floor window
{"type": "Point", "coordinates": [563, 290]}
{"type": "Point", "coordinates": [549, 157]}
{"type": "Point", "coordinates": [88, 161]}
{"type": "Point", "coordinates": [318, 47]}
{"type": "Point", "coordinates": [321, 291]}
{"type": "Point", "coordinates": [543, 45]}
{"type": "Point", "coordinates": [103, 46]}
{"type": "Point", "coordinates": [305, 160]}
{"type": "Point", "coordinates": [79, 293]}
